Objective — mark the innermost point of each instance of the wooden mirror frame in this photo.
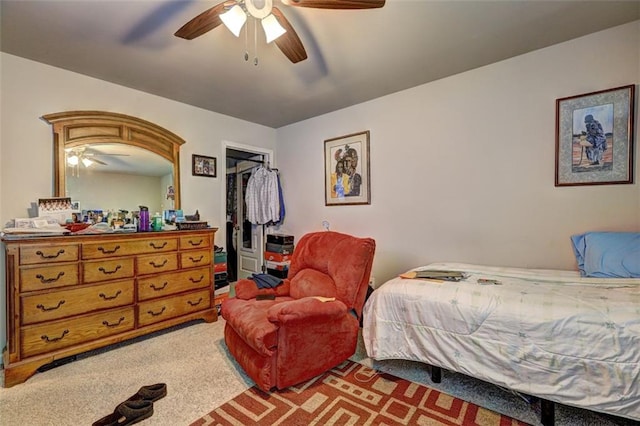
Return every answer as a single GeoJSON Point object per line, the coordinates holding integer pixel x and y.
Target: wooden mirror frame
{"type": "Point", "coordinates": [75, 128]}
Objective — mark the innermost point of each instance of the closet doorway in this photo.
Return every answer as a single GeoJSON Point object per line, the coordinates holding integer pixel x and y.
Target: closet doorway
{"type": "Point", "coordinates": [244, 242]}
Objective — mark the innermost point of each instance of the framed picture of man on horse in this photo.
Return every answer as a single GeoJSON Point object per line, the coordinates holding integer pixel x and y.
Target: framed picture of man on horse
{"type": "Point", "coordinates": [595, 137]}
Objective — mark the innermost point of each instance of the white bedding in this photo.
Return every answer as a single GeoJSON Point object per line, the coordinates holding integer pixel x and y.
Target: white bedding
{"type": "Point", "coordinates": [547, 333]}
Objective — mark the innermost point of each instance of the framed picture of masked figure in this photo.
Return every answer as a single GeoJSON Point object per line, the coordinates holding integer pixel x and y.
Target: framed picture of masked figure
{"type": "Point", "coordinates": [347, 177]}
{"type": "Point", "coordinates": [595, 138]}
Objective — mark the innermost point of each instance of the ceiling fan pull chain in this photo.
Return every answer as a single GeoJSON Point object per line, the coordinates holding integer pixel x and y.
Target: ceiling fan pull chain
{"type": "Point", "coordinates": [246, 43]}
{"type": "Point", "coordinates": [255, 41]}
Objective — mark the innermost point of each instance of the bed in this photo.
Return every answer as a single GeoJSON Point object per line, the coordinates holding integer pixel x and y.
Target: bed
{"type": "Point", "coordinates": [564, 336]}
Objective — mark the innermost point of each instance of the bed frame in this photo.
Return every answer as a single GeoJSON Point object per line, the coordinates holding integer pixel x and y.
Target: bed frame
{"type": "Point", "coordinates": [547, 408]}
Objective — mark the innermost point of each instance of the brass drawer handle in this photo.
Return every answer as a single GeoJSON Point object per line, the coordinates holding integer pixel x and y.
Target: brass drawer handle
{"type": "Point", "coordinates": [196, 244]}
{"type": "Point", "coordinates": [54, 339]}
{"type": "Point", "coordinates": [105, 297]}
{"type": "Point", "coordinates": [194, 303]}
{"type": "Point", "coordinates": [196, 281]}
{"type": "Point", "coordinates": [104, 271]}
{"type": "Point", "coordinates": [152, 263]}
{"type": "Point", "coordinates": [155, 314]}
{"type": "Point", "coordinates": [44, 280]}
{"type": "Point", "coordinates": [52, 308]}
{"type": "Point", "coordinates": [152, 244]}
{"type": "Point", "coordinates": [153, 286]}
{"type": "Point", "coordinates": [51, 256]}
{"type": "Point", "coordinates": [196, 260]}
{"type": "Point", "coordinates": [106, 323]}
{"type": "Point", "coordinates": [105, 251]}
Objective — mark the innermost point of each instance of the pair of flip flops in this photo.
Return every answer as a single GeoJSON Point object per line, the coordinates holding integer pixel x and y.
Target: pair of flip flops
{"type": "Point", "coordinates": [136, 408]}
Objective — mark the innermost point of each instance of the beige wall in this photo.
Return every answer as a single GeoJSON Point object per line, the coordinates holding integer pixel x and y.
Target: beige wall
{"type": "Point", "coordinates": [462, 169]}
{"type": "Point", "coordinates": [30, 89]}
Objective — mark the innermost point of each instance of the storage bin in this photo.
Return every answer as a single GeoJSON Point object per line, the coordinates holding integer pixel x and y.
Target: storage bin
{"type": "Point", "coordinates": [281, 239]}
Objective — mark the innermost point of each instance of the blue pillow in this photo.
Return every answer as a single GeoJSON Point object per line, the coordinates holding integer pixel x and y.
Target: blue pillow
{"type": "Point", "coordinates": [608, 254]}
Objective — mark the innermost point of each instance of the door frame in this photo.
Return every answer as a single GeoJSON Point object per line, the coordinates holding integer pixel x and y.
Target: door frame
{"type": "Point", "coordinates": [268, 156]}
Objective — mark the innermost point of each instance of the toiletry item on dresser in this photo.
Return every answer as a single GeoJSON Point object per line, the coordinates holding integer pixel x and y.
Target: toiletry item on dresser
{"type": "Point", "coordinates": [157, 222]}
{"type": "Point", "coordinates": [143, 223]}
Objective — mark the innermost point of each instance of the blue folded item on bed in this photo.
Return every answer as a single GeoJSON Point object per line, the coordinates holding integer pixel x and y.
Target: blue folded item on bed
{"type": "Point", "coordinates": [608, 254]}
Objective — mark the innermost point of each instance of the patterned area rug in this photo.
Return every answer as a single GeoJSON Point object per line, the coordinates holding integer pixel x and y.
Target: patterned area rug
{"type": "Point", "coordinates": [352, 394]}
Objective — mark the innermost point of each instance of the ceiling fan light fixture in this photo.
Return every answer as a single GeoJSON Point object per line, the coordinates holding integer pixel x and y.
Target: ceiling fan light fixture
{"type": "Point", "coordinates": [234, 19]}
{"type": "Point", "coordinates": [272, 28]}
{"type": "Point", "coordinates": [73, 160]}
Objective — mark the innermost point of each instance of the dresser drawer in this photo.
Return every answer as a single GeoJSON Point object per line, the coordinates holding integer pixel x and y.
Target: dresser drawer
{"type": "Point", "coordinates": [30, 255]}
{"type": "Point", "coordinates": [113, 248]}
{"type": "Point", "coordinates": [103, 270]}
{"type": "Point", "coordinates": [194, 258]}
{"type": "Point", "coordinates": [66, 303]}
{"type": "Point", "coordinates": [64, 333]}
{"type": "Point", "coordinates": [172, 283]}
{"type": "Point", "coordinates": [164, 309]}
{"type": "Point", "coordinates": [155, 263]}
{"type": "Point", "coordinates": [194, 242]}
{"type": "Point", "coordinates": [47, 277]}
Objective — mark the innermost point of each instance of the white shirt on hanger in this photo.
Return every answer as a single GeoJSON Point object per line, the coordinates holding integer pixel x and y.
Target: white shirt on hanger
{"type": "Point", "coordinates": [262, 197]}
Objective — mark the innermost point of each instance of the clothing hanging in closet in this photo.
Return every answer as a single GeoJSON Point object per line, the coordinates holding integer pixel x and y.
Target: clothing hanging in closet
{"type": "Point", "coordinates": [263, 197]}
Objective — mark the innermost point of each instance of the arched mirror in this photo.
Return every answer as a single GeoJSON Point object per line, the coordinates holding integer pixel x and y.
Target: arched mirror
{"type": "Point", "coordinates": [111, 161]}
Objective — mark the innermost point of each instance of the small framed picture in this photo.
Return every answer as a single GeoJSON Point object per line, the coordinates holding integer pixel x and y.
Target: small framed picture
{"type": "Point", "coordinates": [347, 178]}
{"type": "Point", "coordinates": [203, 166]}
{"type": "Point", "coordinates": [594, 138]}
{"type": "Point", "coordinates": [60, 208]}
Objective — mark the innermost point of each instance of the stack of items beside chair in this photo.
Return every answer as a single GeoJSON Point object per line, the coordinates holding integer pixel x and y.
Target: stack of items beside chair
{"type": "Point", "coordinates": [221, 283]}
{"type": "Point", "coordinates": [278, 253]}
{"type": "Point", "coordinates": [220, 269]}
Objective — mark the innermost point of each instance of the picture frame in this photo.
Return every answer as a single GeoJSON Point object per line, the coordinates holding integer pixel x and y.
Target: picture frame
{"type": "Point", "coordinates": [58, 208]}
{"type": "Point", "coordinates": [203, 166]}
{"type": "Point", "coordinates": [595, 138]}
{"type": "Point", "coordinates": [347, 173]}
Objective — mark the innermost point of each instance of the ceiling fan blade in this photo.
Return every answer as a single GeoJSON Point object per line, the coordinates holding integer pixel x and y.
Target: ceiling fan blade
{"type": "Point", "coordinates": [289, 43]}
{"type": "Point", "coordinates": [103, 154]}
{"type": "Point", "coordinates": [206, 21]}
{"type": "Point", "coordinates": [95, 160]}
{"type": "Point", "coordinates": [336, 4]}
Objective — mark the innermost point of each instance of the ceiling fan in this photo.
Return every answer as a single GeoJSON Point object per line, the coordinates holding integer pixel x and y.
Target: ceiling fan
{"type": "Point", "coordinates": [234, 13]}
{"type": "Point", "coordinates": [80, 154]}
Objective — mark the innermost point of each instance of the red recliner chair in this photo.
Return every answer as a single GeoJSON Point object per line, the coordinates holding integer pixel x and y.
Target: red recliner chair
{"type": "Point", "coordinates": [311, 324]}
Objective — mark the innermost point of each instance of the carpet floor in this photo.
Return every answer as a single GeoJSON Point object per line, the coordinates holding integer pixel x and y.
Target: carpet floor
{"type": "Point", "coordinates": [352, 394]}
{"type": "Point", "coordinates": [201, 375]}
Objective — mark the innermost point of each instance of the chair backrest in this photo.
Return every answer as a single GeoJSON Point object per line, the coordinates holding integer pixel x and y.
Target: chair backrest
{"type": "Point", "coordinates": [346, 259]}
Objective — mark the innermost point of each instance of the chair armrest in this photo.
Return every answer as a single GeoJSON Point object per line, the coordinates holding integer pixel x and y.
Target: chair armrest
{"type": "Point", "coordinates": [247, 289]}
{"type": "Point", "coordinates": [307, 308]}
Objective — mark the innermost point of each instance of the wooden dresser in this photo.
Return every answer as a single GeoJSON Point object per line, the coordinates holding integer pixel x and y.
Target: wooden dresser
{"type": "Point", "coordinates": [71, 294]}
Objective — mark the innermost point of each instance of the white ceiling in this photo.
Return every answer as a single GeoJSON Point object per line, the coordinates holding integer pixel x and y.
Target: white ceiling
{"type": "Point", "coordinates": [353, 56]}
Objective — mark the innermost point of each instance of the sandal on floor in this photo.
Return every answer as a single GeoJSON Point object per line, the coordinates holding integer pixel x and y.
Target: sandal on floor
{"type": "Point", "coordinates": [127, 413]}
{"type": "Point", "coordinates": [150, 393]}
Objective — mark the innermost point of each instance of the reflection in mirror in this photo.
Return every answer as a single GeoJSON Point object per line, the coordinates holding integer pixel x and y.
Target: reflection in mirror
{"type": "Point", "coordinates": [110, 161]}
{"type": "Point", "coordinates": [113, 177]}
